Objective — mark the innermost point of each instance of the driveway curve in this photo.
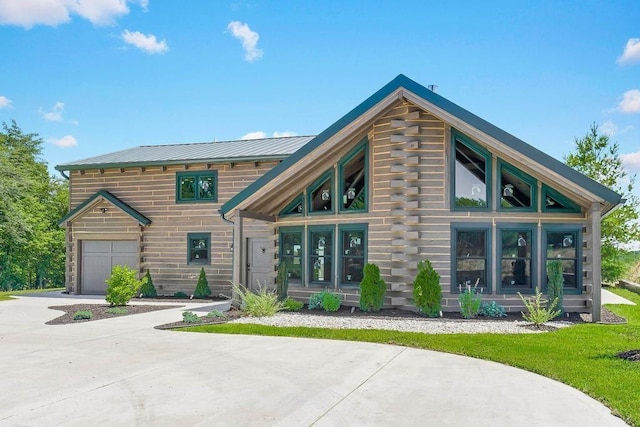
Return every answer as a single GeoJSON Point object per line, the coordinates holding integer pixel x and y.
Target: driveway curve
{"type": "Point", "coordinates": [123, 372]}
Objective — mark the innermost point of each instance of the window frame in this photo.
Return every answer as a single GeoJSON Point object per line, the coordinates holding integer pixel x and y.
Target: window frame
{"type": "Point", "coordinates": [571, 206]}
{"type": "Point", "coordinates": [528, 179]}
{"type": "Point", "coordinates": [573, 228]}
{"type": "Point", "coordinates": [457, 137]}
{"type": "Point", "coordinates": [360, 147]}
{"type": "Point", "coordinates": [342, 228]}
{"type": "Point", "coordinates": [194, 236]}
{"type": "Point", "coordinates": [298, 200]}
{"type": "Point", "coordinates": [303, 254]}
{"type": "Point", "coordinates": [328, 175]}
{"type": "Point", "coordinates": [197, 175]}
{"type": "Point", "coordinates": [485, 227]}
{"type": "Point", "coordinates": [321, 228]}
{"type": "Point", "coordinates": [533, 229]}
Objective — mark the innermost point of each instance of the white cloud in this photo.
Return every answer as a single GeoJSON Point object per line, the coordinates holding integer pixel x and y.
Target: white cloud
{"type": "Point", "coordinates": [5, 102]}
{"type": "Point", "coordinates": [631, 161]}
{"type": "Point", "coordinates": [248, 38]}
{"type": "Point", "coordinates": [145, 42]}
{"type": "Point", "coordinates": [55, 115]}
{"type": "Point", "coordinates": [67, 141]}
{"type": "Point", "coordinates": [27, 13]}
{"type": "Point", "coordinates": [631, 52]}
{"type": "Point", "coordinates": [630, 102]}
{"type": "Point", "coordinates": [612, 129]}
{"type": "Point", "coordinates": [260, 134]}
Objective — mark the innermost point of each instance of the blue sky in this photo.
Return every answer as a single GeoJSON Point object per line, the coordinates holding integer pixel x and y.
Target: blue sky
{"type": "Point", "coordinates": [95, 76]}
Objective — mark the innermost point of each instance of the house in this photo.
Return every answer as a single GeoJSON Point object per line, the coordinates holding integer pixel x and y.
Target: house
{"type": "Point", "coordinates": [405, 176]}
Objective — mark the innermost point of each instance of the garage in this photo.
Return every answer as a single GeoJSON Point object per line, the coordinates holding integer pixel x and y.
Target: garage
{"type": "Point", "coordinates": [99, 257]}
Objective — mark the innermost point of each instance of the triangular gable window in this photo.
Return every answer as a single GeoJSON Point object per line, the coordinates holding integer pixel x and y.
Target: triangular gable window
{"type": "Point", "coordinates": [553, 201]}
{"type": "Point", "coordinates": [320, 194]}
{"type": "Point", "coordinates": [296, 207]}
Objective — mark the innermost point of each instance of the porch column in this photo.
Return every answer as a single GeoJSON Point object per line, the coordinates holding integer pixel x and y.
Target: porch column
{"type": "Point", "coordinates": [596, 238]}
{"type": "Point", "coordinates": [237, 249]}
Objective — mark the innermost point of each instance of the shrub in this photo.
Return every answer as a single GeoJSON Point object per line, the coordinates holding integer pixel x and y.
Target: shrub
{"type": "Point", "coordinates": [555, 287]}
{"type": "Point", "coordinates": [116, 310]}
{"type": "Point", "coordinates": [263, 303]}
{"type": "Point", "coordinates": [282, 281]}
{"type": "Point", "coordinates": [122, 285]}
{"type": "Point", "coordinates": [292, 305]}
{"type": "Point", "coordinates": [492, 309]}
{"type": "Point", "coordinates": [180, 294]}
{"type": "Point", "coordinates": [82, 315]}
{"type": "Point", "coordinates": [539, 311]}
{"type": "Point", "coordinates": [315, 300]}
{"type": "Point", "coordinates": [469, 301]}
{"type": "Point", "coordinates": [202, 288]}
{"type": "Point", "coordinates": [190, 317]}
{"type": "Point", "coordinates": [216, 313]}
{"type": "Point", "coordinates": [372, 289]}
{"type": "Point", "coordinates": [148, 290]}
{"type": "Point", "coordinates": [427, 294]}
{"type": "Point", "coordinates": [326, 300]}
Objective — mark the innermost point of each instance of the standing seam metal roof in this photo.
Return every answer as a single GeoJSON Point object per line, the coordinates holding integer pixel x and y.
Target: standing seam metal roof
{"type": "Point", "coordinates": [206, 151]}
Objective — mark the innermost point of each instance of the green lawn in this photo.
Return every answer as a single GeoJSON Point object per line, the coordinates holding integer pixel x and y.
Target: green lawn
{"type": "Point", "coordinates": [6, 295]}
{"type": "Point", "coordinates": [582, 356]}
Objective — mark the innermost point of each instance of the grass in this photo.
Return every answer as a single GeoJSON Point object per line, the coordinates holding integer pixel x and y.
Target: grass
{"type": "Point", "coordinates": [582, 356]}
{"type": "Point", "coordinates": [7, 295]}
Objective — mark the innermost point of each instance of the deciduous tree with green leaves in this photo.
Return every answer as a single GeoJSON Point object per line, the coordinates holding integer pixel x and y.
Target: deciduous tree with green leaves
{"type": "Point", "coordinates": [598, 158]}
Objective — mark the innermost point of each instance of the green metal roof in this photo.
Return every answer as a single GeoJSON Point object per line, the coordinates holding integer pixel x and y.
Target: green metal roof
{"type": "Point", "coordinates": [113, 200]}
{"type": "Point", "coordinates": [401, 81]}
{"type": "Point", "coordinates": [210, 152]}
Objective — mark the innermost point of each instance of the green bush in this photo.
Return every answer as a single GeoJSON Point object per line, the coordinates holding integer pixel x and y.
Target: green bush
{"type": "Point", "coordinates": [282, 281]}
{"type": "Point", "coordinates": [326, 300]}
{"type": "Point", "coordinates": [263, 303]}
{"type": "Point", "coordinates": [202, 288]}
{"type": "Point", "coordinates": [190, 317]}
{"type": "Point", "coordinates": [469, 301]}
{"type": "Point", "coordinates": [315, 300]}
{"type": "Point", "coordinates": [216, 313]}
{"type": "Point", "coordinates": [427, 294]}
{"type": "Point", "coordinates": [372, 289]}
{"type": "Point", "coordinates": [539, 311]}
{"type": "Point", "coordinates": [82, 315]}
{"type": "Point", "coordinates": [292, 305]}
{"type": "Point", "coordinates": [122, 285]}
{"type": "Point", "coordinates": [555, 287]}
{"type": "Point", "coordinates": [148, 290]}
{"type": "Point", "coordinates": [116, 310]}
{"type": "Point", "coordinates": [492, 309]}
{"type": "Point", "coordinates": [180, 294]}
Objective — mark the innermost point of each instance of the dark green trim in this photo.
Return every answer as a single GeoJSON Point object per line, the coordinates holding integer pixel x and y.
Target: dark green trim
{"type": "Point", "coordinates": [193, 236]}
{"type": "Point", "coordinates": [197, 175]}
{"type": "Point", "coordinates": [346, 228]}
{"type": "Point", "coordinates": [286, 211]}
{"type": "Point", "coordinates": [328, 175]}
{"type": "Point", "coordinates": [472, 120]}
{"type": "Point", "coordinates": [303, 254]}
{"type": "Point", "coordinates": [457, 137]}
{"type": "Point", "coordinates": [571, 206]}
{"type": "Point", "coordinates": [572, 228]}
{"type": "Point", "coordinates": [471, 226]}
{"type": "Point", "coordinates": [111, 199]}
{"type": "Point", "coordinates": [362, 146]}
{"type": "Point", "coordinates": [533, 183]}
{"type": "Point", "coordinates": [534, 258]}
{"type": "Point", "coordinates": [332, 230]}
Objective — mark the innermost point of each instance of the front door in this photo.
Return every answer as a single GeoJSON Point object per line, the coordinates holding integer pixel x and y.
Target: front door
{"type": "Point", "coordinates": [259, 263]}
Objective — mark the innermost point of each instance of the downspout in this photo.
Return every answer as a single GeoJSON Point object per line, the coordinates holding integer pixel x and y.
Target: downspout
{"type": "Point", "coordinates": [63, 175]}
{"type": "Point", "coordinates": [233, 236]}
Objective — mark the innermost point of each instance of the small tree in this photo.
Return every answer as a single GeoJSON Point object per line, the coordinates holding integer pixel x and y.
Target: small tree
{"type": "Point", "coordinates": [372, 289]}
{"type": "Point", "coordinates": [202, 288]}
{"type": "Point", "coordinates": [282, 281]}
{"type": "Point", "coordinates": [427, 294]}
{"type": "Point", "coordinates": [148, 290]}
{"type": "Point", "coordinates": [555, 287]}
{"type": "Point", "coordinates": [122, 285]}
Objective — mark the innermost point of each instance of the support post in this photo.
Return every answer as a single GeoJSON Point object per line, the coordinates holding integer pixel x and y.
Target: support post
{"type": "Point", "coordinates": [596, 238]}
{"type": "Point", "coordinates": [237, 250]}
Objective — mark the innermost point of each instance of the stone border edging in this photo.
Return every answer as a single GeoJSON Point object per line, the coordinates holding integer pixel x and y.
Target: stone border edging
{"type": "Point", "coordinates": [630, 286]}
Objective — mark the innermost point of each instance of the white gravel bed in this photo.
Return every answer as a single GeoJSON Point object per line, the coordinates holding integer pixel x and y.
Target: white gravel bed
{"type": "Point", "coordinates": [429, 326]}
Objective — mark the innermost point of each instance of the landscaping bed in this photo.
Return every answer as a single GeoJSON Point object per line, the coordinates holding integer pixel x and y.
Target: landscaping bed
{"type": "Point", "coordinates": [100, 311]}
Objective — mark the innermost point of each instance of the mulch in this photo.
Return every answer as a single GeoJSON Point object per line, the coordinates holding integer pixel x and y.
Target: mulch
{"type": "Point", "coordinates": [99, 311]}
{"type": "Point", "coordinates": [630, 355]}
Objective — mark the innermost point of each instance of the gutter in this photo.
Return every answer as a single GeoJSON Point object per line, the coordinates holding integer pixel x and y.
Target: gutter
{"type": "Point", "coordinates": [63, 175]}
{"type": "Point", "coordinates": [620, 204]}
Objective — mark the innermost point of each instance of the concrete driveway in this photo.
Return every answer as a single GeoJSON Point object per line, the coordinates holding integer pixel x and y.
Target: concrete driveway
{"type": "Point", "coordinates": [123, 372]}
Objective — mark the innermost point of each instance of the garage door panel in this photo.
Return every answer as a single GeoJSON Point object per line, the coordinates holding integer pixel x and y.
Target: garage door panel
{"type": "Point", "coordinates": [98, 259]}
{"type": "Point", "coordinates": [128, 260]}
{"type": "Point", "coordinates": [129, 247]}
{"type": "Point", "coordinates": [95, 270]}
{"type": "Point", "coordinates": [96, 246]}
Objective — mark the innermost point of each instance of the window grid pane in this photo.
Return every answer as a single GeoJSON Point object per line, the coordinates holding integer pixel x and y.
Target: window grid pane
{"type": "Point", "coordinates": [353, 256]}
{"type": "Point", "coordinates": [291, 254]}
{"type": "Point", "coordinates": [471, 258]}
{"type": "Point", "coordinates": [515, 266]}
{"type": "Point", "coordinates": [320, 264]}
{"type": "Point", "coordinates": [354, 183]}
{"type": "Point", "coordinates": [470, 177]}
{"type": "Point", "coordinates": [562, 246]}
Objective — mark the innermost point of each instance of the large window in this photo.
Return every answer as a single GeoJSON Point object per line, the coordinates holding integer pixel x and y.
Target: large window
{"type": "Point", "coordinates": [471, 261]}
{"type": "Point", "coordinates": [353, 180]}
{"type": "Point", "coordinates": [353, 250]}
{"type": "Point", "coordinates": [516, 268]}
{"type": "Point", "coordinates": [562, 243]}
{"type": "Point", "coordinates": [517, 190]}
{"type": "Point", "coordinates": [320, 195]}
{"type": "Point", "coordinates": [320, 255]}
{"type": "Point", "coordinates": [292, 253]}
{"type": "Point", "coordinates": [196, 186]}
{"type": "Point", "coordinates": [553, 201]}
{"type": "Point", "coordinates": [471, 175]}
{"type": "Point", "coordinates": [199, 248]}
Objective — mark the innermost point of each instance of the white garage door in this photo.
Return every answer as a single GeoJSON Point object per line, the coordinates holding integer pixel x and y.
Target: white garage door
{"type": "Point", "coordinates": [99, 257]}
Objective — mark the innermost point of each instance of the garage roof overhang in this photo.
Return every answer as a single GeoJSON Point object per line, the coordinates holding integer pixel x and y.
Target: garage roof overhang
{"type": "Point", "coordinates": [97, 198]}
